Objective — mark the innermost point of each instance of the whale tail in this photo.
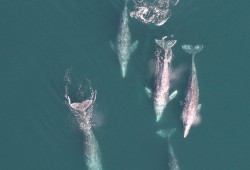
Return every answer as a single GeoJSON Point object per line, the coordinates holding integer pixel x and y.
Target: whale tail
{"type": "Point", "coordinates": [165, 44]}
{"type": "Point", "coordinates": [166, 133]}
{"type": "Point", "coordinates": [192, 49]}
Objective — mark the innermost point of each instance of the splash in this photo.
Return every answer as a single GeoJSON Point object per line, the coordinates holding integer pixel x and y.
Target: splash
{"type": "Point", "coordinates": [153, 11]}
{"type": "Point", "coordinates": [80, 99]}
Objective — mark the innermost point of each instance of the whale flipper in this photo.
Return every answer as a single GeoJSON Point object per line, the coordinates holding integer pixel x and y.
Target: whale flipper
{"type": "Point", "coordinates": [191, 49]}
{"type": "Point", "coordinates": [172, 95]}
{"type": "Point", "coordinates": [134, 46]}
{"type": "Point", "coordinates": [199, 108]}
{"type": "Point", "coordinates": [148, 91]}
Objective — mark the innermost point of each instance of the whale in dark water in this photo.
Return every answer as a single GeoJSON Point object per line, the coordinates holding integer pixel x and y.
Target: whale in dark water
{"type": "Point", "coordinates": [173, 163]}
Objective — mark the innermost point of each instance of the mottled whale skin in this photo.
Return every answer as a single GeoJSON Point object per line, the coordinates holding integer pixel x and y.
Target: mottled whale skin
{"type": "Point", "coordinates": [162, 77]}
{"type": "Point", "coordinates": [190, 114]}
{"type": "Point", "coordinates": [123, 45]}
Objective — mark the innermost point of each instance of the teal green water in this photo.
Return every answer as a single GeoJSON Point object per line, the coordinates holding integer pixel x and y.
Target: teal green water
{"type": "Point", "coordinates": [40, 40]}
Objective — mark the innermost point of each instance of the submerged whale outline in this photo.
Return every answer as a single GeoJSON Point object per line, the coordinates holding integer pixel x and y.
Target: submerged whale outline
{"type": "Point", "coordinates": [123, 45]}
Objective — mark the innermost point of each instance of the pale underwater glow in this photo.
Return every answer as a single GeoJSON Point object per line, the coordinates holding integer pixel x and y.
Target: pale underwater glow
{"type": "Point", "coordinates": [159, 111]}
{"type": "Point", "coordinates": [173, 163]}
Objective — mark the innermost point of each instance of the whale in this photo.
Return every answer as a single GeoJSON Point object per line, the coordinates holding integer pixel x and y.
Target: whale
{"type": "Point", "coordinates": [123, 46]}
{"type": "Point", "coordinates": [190, 113]}
{"type": "Point", "coordinates": [173, 163]}
{"type": "Point", "coordinates": [92, 153]}
{"type": "Point", "coordinates": [162, 77]}
{"type": "Point", "coordinates": [83, 112]}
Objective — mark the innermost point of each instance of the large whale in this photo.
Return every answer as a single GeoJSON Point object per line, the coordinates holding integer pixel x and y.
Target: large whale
{"type": "Point", "coordinates": [84, 115]}
{"type": "Point", "coordinates": [190, 114]}
{"type": "Point", "coordinates": [173, 163]}
{"type": "Point", "coordinates": [92, 153]}
{"type": "Point", "coordinates": [123, 45]}
{"type": "Point", "coordinates": [162, 77]}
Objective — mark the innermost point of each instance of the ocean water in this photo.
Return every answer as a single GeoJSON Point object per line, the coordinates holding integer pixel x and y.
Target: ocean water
{"type": "Point", "coordinates": [41, 40]}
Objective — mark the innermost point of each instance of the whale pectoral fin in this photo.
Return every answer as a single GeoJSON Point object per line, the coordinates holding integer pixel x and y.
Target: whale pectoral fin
{"type": "Point", "coordinates": [112, 45]}
{"type": "Point", "coordinates": [148, 91]}
{"type": "Point", "coordinates": [134, 46]}
{"type": "Point", "coordinates": [199, 107]}
{"type": "Point", "coordinates": [172, 95]}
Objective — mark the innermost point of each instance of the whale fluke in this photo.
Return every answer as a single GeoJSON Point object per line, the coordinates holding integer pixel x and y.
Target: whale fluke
{"type": "Point", "coordinates": [165, 44]}
{"type": "Point", "coordinates": [191, 49]}
{"type": "Point", "coordinates": [166, 133]}
{"type": "Point", "coordinates": [81, 106]}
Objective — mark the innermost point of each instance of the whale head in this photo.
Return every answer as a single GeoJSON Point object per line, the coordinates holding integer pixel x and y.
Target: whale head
{"type": "Point", "coordinates": [159, 110]}
{"type": "Point", "coordinates": [186, 131]}
{"type": "Point", "coordinates": [124, 68]}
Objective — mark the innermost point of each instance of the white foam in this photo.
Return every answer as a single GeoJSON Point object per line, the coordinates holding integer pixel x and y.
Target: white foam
{"type": "Point", "coordinates": [155, 12]}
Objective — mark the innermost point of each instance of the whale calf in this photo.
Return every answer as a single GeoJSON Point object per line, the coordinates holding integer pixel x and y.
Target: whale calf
{"type": "Point", "coordinates": [123, 45]}
{"type": "Point", "coordinates": [190, 114]}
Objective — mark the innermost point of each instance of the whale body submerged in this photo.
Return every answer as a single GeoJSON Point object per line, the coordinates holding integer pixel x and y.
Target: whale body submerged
{"type": "Point", "coordinates": [173, 163]}
{"type": "Point", "coordinates": [123, 45]}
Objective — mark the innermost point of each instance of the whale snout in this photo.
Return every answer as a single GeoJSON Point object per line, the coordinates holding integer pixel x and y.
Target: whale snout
{"type": "Point", "coordinates": [159, 110]}
{"type": "Point", "coordinates": [186, 131]}
{"type": "Point", "coordinates": [124, 68]}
